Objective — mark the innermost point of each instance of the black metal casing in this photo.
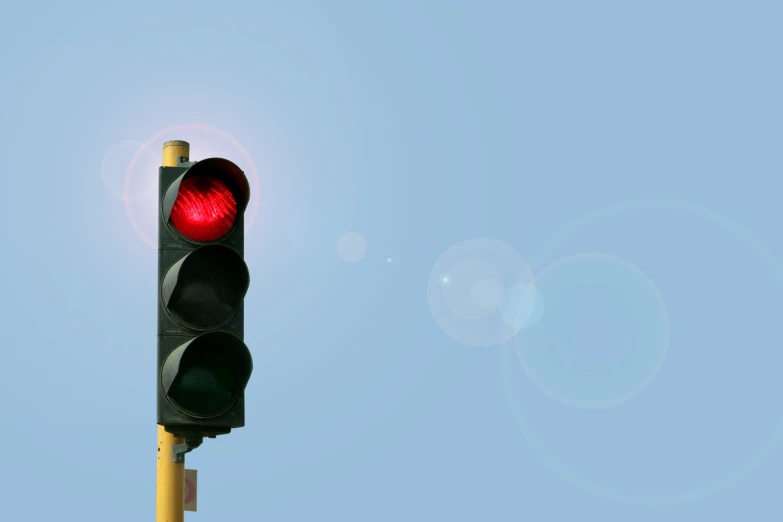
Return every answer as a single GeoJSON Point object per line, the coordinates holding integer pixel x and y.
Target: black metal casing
{"type": "Point", "coordinates": [172, 247]}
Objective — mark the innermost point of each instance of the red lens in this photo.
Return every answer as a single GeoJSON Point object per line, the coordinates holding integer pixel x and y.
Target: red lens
{"type": "Point", "coordinates": [205, 209]}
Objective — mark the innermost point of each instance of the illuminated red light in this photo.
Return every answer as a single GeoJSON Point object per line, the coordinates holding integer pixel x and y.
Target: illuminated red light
{"type": "Point", "coordinates": [205, 209]}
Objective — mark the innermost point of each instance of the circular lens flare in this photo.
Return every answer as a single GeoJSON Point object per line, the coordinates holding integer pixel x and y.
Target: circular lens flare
{"type": "Point", "coordinates": [604, 336]}
{"type": "Point", "coordinates": [205, 209]}
{"type": "Point", "coordinates": [144, 222]}
{"type": "Point", "coordinates": [635, 443]}
{"type": "Point", "coordinates": [469, 291]}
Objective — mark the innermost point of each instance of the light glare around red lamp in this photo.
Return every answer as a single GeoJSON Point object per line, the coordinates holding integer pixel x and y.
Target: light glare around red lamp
{"type": "Point", "coordinates": [205, 209]}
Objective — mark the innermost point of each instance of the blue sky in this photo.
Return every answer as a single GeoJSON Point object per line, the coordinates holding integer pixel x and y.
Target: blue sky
{"type": "Point", "coordinates": [561, 299]}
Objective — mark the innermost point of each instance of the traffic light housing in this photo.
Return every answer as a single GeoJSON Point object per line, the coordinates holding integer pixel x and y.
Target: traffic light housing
{"type": "Point", "coordinates": [203, 363]}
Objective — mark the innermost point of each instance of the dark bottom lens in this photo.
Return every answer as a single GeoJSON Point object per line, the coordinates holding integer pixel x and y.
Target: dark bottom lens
{"type": "Point", "coordinates": [205, 384]}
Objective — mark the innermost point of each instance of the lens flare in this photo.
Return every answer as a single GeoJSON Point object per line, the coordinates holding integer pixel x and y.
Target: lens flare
{"type": "Point", "coordinates": [603, 337]}
{"type": "Point", "coordinates": [469, 292]}
{"type": "Point", "coordinates": [141, 218]}
{"type": "Point", "coordinates": [522, 305]}
{"type": "Point", "coordinates": [144, 185]}
{"type": "Point", "coordinates": [708, 417]}
{"type": "Point", "coordinates": [351, 247]}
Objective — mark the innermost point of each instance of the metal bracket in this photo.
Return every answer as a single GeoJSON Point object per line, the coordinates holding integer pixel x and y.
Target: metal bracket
{"type": "Point", "coordinates": [179, 450]}
{"type": "Point", "coordinates": [182, 161]}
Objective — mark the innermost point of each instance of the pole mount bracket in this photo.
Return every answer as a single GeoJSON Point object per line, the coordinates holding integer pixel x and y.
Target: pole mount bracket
{"type": "Point", "coordinates": [179, 450]}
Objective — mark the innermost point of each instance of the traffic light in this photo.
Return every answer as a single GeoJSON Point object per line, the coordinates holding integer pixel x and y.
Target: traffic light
{"type": "Point", "coordinates": [203, 363]}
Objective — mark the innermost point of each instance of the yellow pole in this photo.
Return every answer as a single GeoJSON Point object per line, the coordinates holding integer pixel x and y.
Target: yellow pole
{"type": "Point", "coordinates": [170, 502]}
{"type": "Point", "coordinates": [170, 505]}
{"type": "Point", "coordinates": [172, 150]}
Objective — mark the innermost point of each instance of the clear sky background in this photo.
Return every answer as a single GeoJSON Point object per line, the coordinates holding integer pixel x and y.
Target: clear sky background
{"type": "Point", "coordinates": [568, 307]}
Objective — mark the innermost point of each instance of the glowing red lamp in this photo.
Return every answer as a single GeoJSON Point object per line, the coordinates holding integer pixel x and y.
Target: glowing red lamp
{"type": "Point", "coordinates": [205, 209]}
